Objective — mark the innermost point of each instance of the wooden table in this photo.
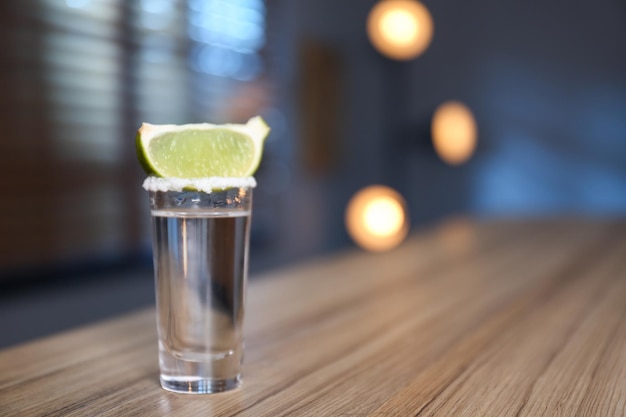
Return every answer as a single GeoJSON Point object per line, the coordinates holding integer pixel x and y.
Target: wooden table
{"type": "Point", "coordinates": [494, 318]}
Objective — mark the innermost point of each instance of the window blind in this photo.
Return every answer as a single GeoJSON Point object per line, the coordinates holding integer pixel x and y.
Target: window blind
{"type": "Point", "coordinates": [78, 77]}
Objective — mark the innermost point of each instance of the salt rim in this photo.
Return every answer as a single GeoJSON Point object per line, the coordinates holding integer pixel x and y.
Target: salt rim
{"type": "Point", "coordinates": [206, 185]}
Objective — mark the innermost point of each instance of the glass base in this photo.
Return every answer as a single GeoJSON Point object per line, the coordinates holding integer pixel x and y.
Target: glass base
{"type": "Point", "coordinates": [200, 373]}
{"type": "Point", "coordinates": [200, 386]}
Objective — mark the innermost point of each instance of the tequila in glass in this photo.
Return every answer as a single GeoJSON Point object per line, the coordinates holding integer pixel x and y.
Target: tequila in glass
{"type": "Point", "coordinates": [200, 243]}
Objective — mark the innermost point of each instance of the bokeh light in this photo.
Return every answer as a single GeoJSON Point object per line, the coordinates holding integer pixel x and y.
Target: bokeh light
{"type": "Point", "coordinates": [376, 218]}
{"type": "Point", "coordinates": [454, 132]}
{"type": "Point", "coordinates": [400, 29]}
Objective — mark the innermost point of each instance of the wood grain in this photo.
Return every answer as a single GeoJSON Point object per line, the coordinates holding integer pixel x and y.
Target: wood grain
{"type": "Point", "coordinates": [499, 318]}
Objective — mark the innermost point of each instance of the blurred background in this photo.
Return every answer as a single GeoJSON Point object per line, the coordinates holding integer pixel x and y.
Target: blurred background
{"type": "Point", "coordinates": [503, 109]}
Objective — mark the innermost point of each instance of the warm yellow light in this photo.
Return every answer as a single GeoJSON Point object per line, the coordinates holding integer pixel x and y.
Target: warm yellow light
{"type": "Point", "coordinates": [383, 216]}
{"type": "Point", "coordinates": [400, 29]}
{"type": "Point", "coordinates": [399, 26]}
{"type": "Point", "coordinates": [376, 218]}
{"type": "Point", "coordinates": [454, 132]}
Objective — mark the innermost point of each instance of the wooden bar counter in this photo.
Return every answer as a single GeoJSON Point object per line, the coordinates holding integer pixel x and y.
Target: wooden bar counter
{"type": "Point", "coordinates": [470, 318]}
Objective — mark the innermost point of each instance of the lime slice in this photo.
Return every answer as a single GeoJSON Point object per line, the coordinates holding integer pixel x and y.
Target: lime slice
{"type": "Point", "coordinates": [201, 150]}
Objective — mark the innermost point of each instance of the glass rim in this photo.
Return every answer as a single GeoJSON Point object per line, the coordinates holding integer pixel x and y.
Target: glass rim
{"type": "Point", "coordinates": [206, 185]}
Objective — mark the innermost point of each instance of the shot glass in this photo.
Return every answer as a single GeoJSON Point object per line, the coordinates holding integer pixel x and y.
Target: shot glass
{"type": "Point", "coordinates": [200, 249]}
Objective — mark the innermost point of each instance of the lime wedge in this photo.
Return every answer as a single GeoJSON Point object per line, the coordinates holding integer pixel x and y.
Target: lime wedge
{"type": "Point", "coordinates": [201, 150]}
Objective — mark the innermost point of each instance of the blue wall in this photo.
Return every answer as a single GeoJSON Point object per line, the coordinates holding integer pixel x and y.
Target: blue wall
{"type": "Point", "coordinates": [547, 84]}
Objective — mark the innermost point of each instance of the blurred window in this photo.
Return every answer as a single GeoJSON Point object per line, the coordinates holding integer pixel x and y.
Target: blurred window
{"type": "Point", "coordinates": [78, 78]}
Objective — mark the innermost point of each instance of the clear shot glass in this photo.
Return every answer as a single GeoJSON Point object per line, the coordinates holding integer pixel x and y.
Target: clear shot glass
{"type": "Point", "coordinates": [200, 248]}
